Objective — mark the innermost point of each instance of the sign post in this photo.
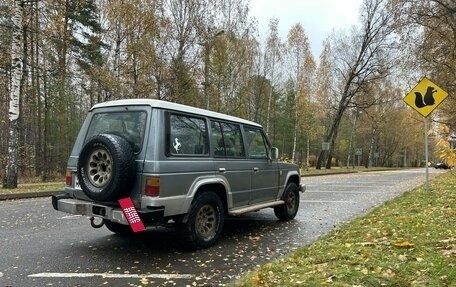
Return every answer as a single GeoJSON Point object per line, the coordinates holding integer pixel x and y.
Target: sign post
{"type": "Point", "coordinates": [426, 147]}
{"type": "Point", "coordinates": [424, 98]}
{"type": "Point", "coordinates": [359, 152]}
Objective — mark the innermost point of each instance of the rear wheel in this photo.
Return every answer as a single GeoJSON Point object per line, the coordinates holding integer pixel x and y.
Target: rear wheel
{"type": "Point", "coordinates": [204, 222]}
{"type": "Point", "coordinates": [289, 210]}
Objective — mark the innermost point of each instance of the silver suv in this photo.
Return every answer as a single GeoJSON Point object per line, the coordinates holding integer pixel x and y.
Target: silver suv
{"type": "Point", "coordinates": [177, 164]}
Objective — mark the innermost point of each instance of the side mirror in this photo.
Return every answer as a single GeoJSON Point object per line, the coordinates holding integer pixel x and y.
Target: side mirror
{"type": "Point", "coordinates": [274, 153]}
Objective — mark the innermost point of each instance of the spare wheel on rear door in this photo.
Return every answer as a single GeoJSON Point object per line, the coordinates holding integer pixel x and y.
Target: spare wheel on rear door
{"type": "Point", "coordinates": [106, 167]}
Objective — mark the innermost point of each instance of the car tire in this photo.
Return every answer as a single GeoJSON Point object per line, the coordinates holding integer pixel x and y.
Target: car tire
{"type": "Point", "coordinates": [204, 222]}
{"type": "Point", "coordinates": [117, 228]}
{"type": "Point", "coordinates": [106, 167]}
{"type": "Point", "coordinates": [289, 210]}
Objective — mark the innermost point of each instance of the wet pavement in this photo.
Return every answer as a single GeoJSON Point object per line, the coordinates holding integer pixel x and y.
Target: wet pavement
{"type": "Point", "coordinates": [44, 247]}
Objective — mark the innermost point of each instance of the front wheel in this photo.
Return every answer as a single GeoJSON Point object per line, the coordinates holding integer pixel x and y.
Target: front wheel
{"type": "Point", "coordinates": [204, 222]}
{"type": "Point", "coordinates": [289, 210]}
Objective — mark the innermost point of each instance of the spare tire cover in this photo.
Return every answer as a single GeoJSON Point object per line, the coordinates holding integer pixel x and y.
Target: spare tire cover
{"type": "Point", "coordinates": [106, 167]}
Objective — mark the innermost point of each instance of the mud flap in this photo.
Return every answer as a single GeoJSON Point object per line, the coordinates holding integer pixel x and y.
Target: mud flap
{"type": "Point", "coordinates": [131, 214]}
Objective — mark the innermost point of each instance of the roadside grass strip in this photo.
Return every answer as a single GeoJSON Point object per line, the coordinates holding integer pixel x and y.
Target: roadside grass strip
{"type": "Point", "coordinates": [408, 241]}
{"type": "Point", "coordinates": [34, 188]}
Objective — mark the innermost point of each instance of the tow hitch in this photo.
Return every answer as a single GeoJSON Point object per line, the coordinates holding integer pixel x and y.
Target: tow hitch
{"type": "Point", "coordinates": [96, 225]}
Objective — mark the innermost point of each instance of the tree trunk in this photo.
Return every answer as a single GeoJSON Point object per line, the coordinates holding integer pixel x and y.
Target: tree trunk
{"type": "Point", "coordinates": [321, 158]}
{"type": "Point", "coordinates": [295, 128]}
{"type": "Point", "coordinates": [34, 53]}
{"type": "Point", "coordinates": [271, 94]}
{"type": "Point", "coordinates": [332, 135]}
{"type": "Point", "coordinates": [23, 92]}
{"type": "Point", "coordinates": [46, 131]}
{"type": "Point", "coordinates": [334, 132]}
{"type": "Point", "coordinates": [10, 180]}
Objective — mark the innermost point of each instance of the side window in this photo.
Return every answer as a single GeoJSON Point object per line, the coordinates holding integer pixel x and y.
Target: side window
{"type": "Point", "coordinates": [217, 139]}
{"type": "Point", "coordinates": [188, 136]}
{"type": "Point", "coordinates": [227, 139]}
{"type": "Point", "coordinates": [256, 143]}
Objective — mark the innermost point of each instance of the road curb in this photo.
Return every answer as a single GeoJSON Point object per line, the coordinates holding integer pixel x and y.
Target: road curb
{"type": "Point", "coordinates": [347, 171]}
{"type": "Point", "coordinates": [330, 173]}
{"type": "Point", "coordinates": [22, 195]}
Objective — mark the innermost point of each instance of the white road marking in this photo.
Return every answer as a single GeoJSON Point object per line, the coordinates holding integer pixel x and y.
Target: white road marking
{"type": "Point", "coordinates": [327, 201]}
{"type": "Point", "coordinates": [69, 216]}
{"type": "Point", "coordinates": [111, 275]}
{"type": "Point", "coordinates": [341, 191]}
{"type": "Point", "coordinates": [356, 184]}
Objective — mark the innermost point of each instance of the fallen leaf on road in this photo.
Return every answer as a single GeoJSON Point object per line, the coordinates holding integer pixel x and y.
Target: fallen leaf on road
{"type": "Point", "coordinates": [144, 281]}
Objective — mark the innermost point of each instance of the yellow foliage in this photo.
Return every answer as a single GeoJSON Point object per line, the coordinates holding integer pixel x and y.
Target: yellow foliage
{"type": "Point", "coordinates": [444, 150]}
{"type": "Point", "coordinates": [403, 243]}
{"type": "Point", "coordinates": [256, 280]}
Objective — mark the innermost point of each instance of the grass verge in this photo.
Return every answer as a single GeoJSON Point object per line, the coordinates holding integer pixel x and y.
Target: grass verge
{"type": "Point", "coordinates": [338, 170]}
{"type": "Point", "coordinates": [33, 188]}
{"type": "Point", "coordinates": [408, 241]}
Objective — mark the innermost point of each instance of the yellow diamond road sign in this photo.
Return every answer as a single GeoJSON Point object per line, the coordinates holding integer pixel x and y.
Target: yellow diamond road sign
{"type": "Point", "coordinates": [425, 97]}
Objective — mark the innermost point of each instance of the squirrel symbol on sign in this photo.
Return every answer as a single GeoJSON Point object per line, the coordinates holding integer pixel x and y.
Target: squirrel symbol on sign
{"type": "Point", "coordinates": [427, 100]}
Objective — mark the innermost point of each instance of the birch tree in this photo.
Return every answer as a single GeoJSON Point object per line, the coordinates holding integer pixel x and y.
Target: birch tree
{"type": "Point", "coordinates": [5, 66]}
{"type": "Point", "coordinates": [298, 51]}
{"type": "Point", "coordinates": [273, 58]}
{"type": "Point", "coordinates": [324, 89]}
{"type": "Point", "coordinates": [17, 43]}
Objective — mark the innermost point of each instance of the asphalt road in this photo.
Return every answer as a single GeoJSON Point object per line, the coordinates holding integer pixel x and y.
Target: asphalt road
{"type": "Point", "coordinates": [43, 247]}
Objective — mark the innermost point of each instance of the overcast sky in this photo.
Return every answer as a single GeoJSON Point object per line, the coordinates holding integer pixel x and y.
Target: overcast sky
{"type": "Point", "coordinates": [318, 17]}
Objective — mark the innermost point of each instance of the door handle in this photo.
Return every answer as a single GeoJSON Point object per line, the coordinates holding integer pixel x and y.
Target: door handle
{"type": "Point", "coordinates": [222, 169]}
{"type": "Point", "coordinates": [256, 169]}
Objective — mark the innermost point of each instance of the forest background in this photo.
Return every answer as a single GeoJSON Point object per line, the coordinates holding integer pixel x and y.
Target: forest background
{"type": "Point", "coordinates": [344, 108]}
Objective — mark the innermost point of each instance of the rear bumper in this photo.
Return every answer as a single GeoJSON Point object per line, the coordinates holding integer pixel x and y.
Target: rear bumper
{"type": "Point", "coordinates": [64, 203]}
{"type": "Point", "coordinates": [302, 187]}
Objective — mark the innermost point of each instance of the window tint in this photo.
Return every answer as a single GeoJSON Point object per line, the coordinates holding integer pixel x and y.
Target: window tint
{"type": "Point", "coordinates": [256, 143]}
{"type": "Point", "coordinates": [227, 140]}
{"type": "Point", "coordinates": [129, 125]}
{"type": "Point", "coordinates": [188, 136]}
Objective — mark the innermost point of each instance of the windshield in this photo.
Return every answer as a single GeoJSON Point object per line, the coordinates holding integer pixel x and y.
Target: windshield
{"type": "Point", "coordinates": [129, 125]}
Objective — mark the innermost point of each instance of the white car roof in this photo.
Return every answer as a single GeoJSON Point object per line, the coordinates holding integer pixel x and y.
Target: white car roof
{"type": "Point", "coordinates": [173, 106]}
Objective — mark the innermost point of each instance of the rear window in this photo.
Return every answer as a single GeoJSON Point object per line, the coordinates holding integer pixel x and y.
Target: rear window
{"type": "Point", "coordinates": [129, 125]}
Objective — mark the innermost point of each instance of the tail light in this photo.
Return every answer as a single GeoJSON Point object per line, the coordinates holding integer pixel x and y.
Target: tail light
{"type": "Point", "coordinates": [152, 187]}
{"type": "Point", "coordinates": [68, 178]}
